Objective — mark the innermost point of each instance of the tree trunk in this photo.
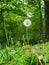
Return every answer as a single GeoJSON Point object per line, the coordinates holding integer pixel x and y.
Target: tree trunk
{"type": "Point", "coordinates": [47, 19]}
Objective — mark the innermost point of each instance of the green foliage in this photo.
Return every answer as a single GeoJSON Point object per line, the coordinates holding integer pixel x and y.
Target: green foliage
{"type": "Point", "coordinates": [14, 12]}
{"type": "Point", "coordinates": [15, 57]}
{"type": "Point", "coordinates": [25, 55]}
{"type": "Point", "coordinates": [13, 33]}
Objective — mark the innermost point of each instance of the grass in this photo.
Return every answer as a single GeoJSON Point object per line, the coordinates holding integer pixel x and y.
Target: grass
{"type": "Point", "coordinates": [24, 55]}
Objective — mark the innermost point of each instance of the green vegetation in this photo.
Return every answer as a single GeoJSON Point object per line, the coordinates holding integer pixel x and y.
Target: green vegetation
{"type": "Point", "coordinates": [24, 32]}
{"type": "Point", "coordinates": [13, 14]}
{"type": "Point", "coordinates": [25, 55]}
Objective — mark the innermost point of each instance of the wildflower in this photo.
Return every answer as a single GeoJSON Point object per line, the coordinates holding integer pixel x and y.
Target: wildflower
{"type": "Point", "coordinates": [29, 14]}
{"type": "Point", "coordinates": [27, 22]}
{"type": "Point", "coordinates": [40, 57]}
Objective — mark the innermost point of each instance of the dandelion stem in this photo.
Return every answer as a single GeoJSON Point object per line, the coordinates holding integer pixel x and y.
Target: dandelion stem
{"type": "Point", "coordinates": [27, 35]}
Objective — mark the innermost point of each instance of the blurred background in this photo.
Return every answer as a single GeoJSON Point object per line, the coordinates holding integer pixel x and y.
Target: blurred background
{"type": "Point", "coordinates": [12, 15]}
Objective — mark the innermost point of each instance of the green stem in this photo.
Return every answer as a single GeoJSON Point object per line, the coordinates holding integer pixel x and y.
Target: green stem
{"type": "Point", "coordinates": [27, 35]}
{"type": "Point", "coordinates": [24, 39]}
{"type": "Point", "coordinates": [6, 33]}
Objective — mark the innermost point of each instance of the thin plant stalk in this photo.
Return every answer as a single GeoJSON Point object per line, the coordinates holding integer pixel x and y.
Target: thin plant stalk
{"type": "Point", "coordinates": [27, 35]}
{"type": "Point", "coordinates": [24, 40]}
{"type": "Point", "coordinates": [40, 62]}
{"type": "Point", "coordinates": [6, 32]}
{"type": "Point", "coordinates": [12, 42]}
{"type": "Point", "coordinates": [7, 41]}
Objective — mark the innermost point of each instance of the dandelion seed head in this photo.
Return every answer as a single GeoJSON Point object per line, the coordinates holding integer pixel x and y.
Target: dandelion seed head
{"type": "Point", "coordinates": [27, 22]}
